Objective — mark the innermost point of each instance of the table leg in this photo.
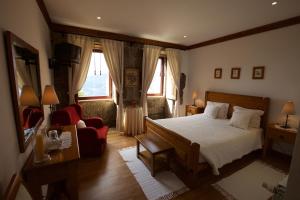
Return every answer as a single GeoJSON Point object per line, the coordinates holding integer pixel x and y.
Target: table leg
{"type": "Point", "coordinates": [35, 190]}
{"type": "Point", "coordinates": [153, 165]}
{"type": "Point", "coordinates": [137, 149]}
{"type": "Point", "coordinates": [72, 182]}
{"type": "Point", "coordinates": [168, 160]}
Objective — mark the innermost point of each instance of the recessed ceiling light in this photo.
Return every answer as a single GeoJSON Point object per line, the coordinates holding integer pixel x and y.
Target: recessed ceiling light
{"type": "Point", "coordinates": [274, 3]}
{"type": "Point", "coordinates": [185, 36]}
{"type": "Point", "coordinates": [98, 18]}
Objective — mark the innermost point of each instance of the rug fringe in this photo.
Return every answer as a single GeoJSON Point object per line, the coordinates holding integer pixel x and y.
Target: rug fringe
{"type": "Point", "coordinates": [223, 192]}
{"type": "Point", "coordinates": [174, 194]}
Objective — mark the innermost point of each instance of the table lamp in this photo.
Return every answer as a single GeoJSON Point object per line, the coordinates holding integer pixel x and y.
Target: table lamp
{"type": "Point", "coordinates": [288, 109]}
{"type": "Point", "coordinates": [199, 103]}
{"type": "Point", "coordinates": [194, 96]}
{"type": "Point", "coordinates": [28, 97]}
{"type": "Point", "coordinates": [50, 98]}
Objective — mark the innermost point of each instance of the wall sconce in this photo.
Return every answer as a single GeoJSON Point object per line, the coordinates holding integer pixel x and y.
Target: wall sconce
{"type": "Point", "coordinates": [50, 98]}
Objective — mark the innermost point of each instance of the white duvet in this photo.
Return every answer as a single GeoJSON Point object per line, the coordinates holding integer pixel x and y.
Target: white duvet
{"type": "Point", "coordinates": [219, 142]}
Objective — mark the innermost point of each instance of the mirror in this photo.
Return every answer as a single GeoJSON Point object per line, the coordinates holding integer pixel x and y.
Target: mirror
{"type": "Point", "coordinates": [24, 74]}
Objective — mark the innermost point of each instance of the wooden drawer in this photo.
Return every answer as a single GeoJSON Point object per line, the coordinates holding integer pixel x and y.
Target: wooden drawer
{"type": "Point", "coordinates": [282, 136]}
{"type": "Point", "coordinates": [191, 110]}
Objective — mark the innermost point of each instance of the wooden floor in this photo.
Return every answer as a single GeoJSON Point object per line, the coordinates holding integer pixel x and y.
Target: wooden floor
{"type": "Point", "coordinates": [108, 177]}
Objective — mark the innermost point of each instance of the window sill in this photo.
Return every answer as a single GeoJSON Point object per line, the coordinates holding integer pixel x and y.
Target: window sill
{"type": "Point", "coordinates": [156, 96]}
{"type": "Point", "coordinates": [100, 99]}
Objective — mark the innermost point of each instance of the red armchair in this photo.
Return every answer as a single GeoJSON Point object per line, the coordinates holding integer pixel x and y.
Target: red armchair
{"type": "Point", "coordinates": [92, 139]}
{"type": "Point", "coordinates": [32, 116]}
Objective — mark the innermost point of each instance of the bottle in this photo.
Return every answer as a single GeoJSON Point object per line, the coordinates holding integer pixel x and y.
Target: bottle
{"type": "Point", "coordinates": [39, 147]}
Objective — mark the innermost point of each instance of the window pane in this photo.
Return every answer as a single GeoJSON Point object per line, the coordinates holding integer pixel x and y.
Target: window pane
{"type": "Point", "coordinates": [155, 86]}
{"type": "Point", "coordinates": [97, 80]}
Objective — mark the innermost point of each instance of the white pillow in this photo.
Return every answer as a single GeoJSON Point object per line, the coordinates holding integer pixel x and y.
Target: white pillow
{"type": "Point", "coordinates": [222, 114]}
{"type": "Point", "coordinates": [256, 116]}
{"type": "Point", "coordinates": [240, 119]}
{"type": "Point", "coordinates": [211, 111]}
{"type": "Point", "coordinates": [80, 124]}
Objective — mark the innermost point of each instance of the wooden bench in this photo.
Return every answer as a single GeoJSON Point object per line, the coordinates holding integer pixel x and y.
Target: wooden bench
{"type": "Point", "coordinates": [157, 154]}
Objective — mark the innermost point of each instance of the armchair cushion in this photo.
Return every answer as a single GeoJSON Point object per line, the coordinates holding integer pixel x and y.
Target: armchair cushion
{"type": "Point", "coordinates": [80, 124]}
{"type": "Point", "coordinates": [95, 122]}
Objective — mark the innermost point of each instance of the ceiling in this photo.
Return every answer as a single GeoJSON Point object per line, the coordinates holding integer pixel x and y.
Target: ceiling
{"type": "Point", "coordinates": [171, 20]}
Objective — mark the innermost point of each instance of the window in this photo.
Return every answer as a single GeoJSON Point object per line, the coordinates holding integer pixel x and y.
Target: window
{"type": "Point", "coordinates": [98, 82]}
{"type": "Point", "coordinates": [157, 84]}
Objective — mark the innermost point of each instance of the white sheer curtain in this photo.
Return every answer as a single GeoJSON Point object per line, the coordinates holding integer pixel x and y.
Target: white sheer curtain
{"type": "Point", "coordinates": [80, 70]}
{"type": "Point", "coordinates": [114, 55]}
{"type": "Point", "coordinates": [150, 58]}
{"type": "Point", "coordinates": [23, 72]}
{"type": "Point", "coordinates": [173, 62]}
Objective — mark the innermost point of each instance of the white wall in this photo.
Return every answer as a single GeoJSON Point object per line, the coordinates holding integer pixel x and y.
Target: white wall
{"type": "Point", "coordinates": [24, 19]}
{"type": "Point", "coordinates": [278, 50]}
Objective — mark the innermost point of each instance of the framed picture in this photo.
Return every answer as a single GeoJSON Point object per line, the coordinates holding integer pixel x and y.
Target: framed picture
{"type": "Point", "coordinates": [218, 73]}
{"type": "Point", "coordinates": [131, 77]}
{"type": "Point", "coordinates": [258, 72]}
{"type": "Point", "coordinates": [235, 73]}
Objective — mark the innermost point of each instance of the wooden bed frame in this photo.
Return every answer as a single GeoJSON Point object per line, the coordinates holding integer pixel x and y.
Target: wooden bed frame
{"type": "Point", "coordinates": [186, 152]}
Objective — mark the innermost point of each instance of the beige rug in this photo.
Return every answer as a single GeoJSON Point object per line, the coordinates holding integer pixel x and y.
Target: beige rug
{"type": "Point", "coordinates": [246, 184]}
{"type": "Point", "coordinates": [164, 186]}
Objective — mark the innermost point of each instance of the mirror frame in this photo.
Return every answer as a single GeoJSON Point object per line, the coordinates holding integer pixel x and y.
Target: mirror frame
{"type": "Point", "coordinates": [10, 41]}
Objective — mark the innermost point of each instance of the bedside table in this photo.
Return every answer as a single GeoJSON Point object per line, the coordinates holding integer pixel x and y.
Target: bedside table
{"type": "Point", "coordinates": [191, 110]}
{"type": "Point", "coordinates": [277, 134]}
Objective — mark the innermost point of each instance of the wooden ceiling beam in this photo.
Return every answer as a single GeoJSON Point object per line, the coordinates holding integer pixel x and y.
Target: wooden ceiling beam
{"type": "Point", "coordinates": [113, 36]}
{"type": "Point", "coordinates": [256, 30]}
{"type": "Point", "coordinates": [44, 11]}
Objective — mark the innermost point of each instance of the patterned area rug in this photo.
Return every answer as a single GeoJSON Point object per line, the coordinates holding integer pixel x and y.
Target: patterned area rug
{"type": "Point", "coordinates": [246, 184]}
{"type": "Point", "coordinates": [165, 185]}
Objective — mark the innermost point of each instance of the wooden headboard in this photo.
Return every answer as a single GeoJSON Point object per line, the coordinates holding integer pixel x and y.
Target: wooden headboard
{"type": "Point", "coordinates": [251, 102]}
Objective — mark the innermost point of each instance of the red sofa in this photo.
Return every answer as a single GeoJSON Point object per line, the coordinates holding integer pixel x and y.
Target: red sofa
{"type": "Point", "coordinates": [92, 139]}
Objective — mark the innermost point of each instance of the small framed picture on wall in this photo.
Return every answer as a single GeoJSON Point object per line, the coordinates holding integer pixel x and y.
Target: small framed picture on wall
{"type": "Point", "coordinates": [235, 73]}
{"type": "Point", "coordinates": [131, 77]}
{"type": "Point", "coordinates": [218, 73]}
{"type": "Point", "coordinates": [258, 72]}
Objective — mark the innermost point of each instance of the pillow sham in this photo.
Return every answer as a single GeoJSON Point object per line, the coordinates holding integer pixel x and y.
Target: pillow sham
{"type": "Point", "coordinates": [211, 111]}
{"type": "Point", "coordinates": [80, 124]}
{"type": "Point", "coordinates": [240, 119]}
{"type": "Point", "coordinates": [255, 118]}
{"type": "Point", "coordinates": [222, 114]}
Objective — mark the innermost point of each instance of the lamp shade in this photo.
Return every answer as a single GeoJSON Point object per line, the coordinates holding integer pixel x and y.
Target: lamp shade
{"type": "Point", "coordinates": [28, 97]}
{"type": "Point", "coordinates": [49, 96]}
{"type": "Point", "coordinates": [199, 103]}
{"type": "Point", "coordinates": [288, 108]}
{"type": "Point", "coordinates": [194, 95]}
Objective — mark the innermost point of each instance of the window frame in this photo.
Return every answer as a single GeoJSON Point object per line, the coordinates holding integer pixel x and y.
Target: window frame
{"type": "Point", "coordinates": [162, 78]}
{"type": "Point", "coordinates": [86, 98]}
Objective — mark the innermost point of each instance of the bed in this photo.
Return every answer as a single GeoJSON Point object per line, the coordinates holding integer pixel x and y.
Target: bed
{"type": "Point", "coordinates": [201, 142]}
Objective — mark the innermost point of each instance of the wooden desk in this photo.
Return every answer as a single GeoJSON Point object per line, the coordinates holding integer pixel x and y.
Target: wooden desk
{"type": "Point", "coordinates": [155, 146]}
{"type": "Point", "coordinates": [279, 135]}
{"type": "Point", "coordinates": [62, 167]}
